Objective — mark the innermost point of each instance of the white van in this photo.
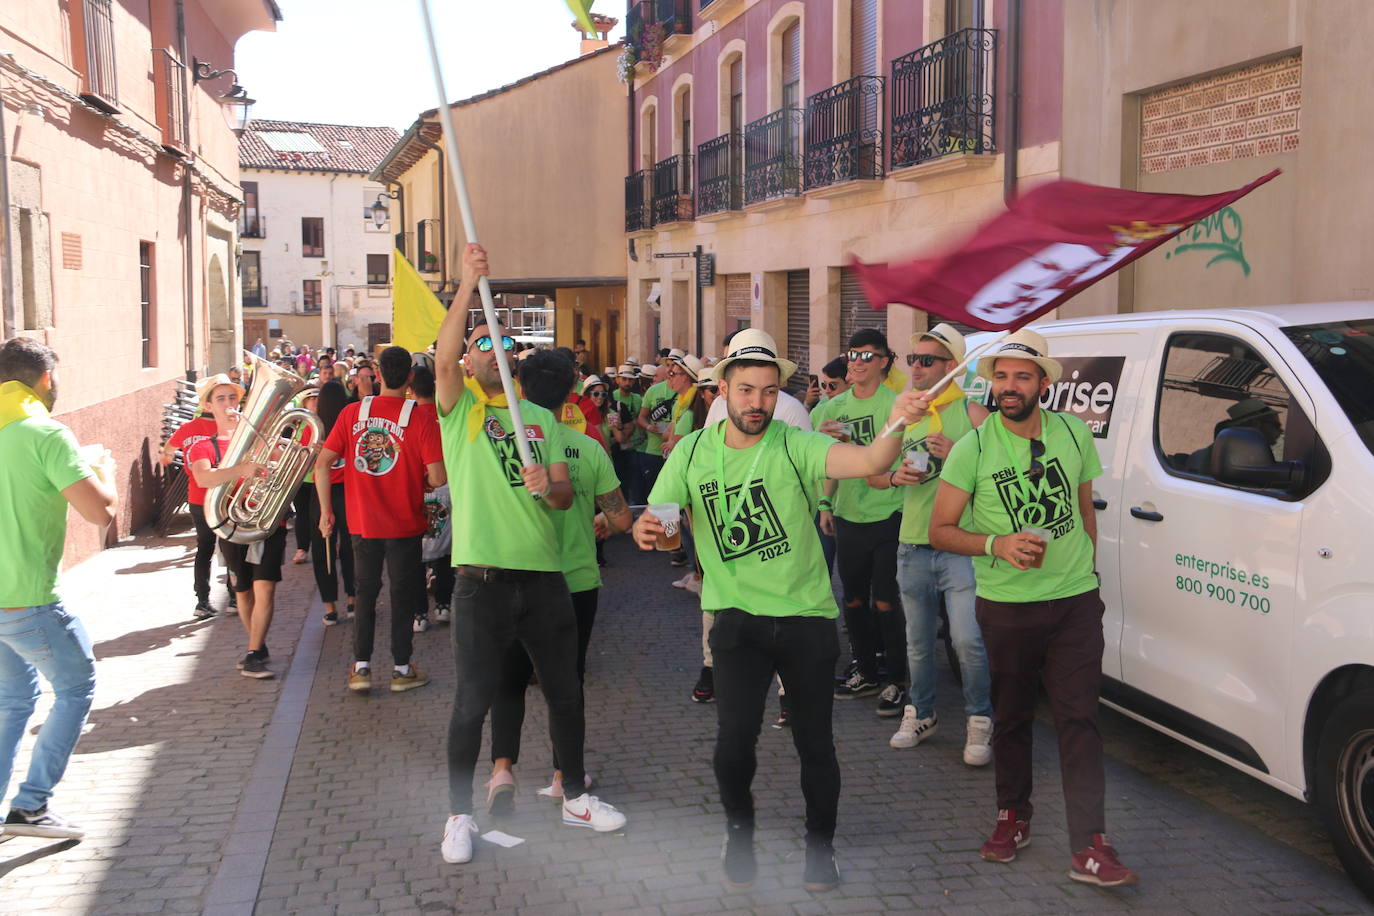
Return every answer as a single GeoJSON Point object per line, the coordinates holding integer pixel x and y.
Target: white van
{"type": "Point", "coordinates": [1238, 448]}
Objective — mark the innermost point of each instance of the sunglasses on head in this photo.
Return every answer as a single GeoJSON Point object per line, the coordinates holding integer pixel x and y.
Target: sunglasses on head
{"type": "Point", "coordinates": [864, 356]}
{"type": "Point", "coordinates": [484, 343]}
{"type": "Point", "coordinates": [925, 360]}
{"type": "Point", "coordinates": [1037, 451]}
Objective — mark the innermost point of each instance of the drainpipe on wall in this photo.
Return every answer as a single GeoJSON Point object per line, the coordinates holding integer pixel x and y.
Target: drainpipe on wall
{"type": "Point", "coordinates": [8, 301]}
{"type": "Point", "coordinates": [187, 213]}
{"type": "Point", "coordinates": [1013, 144]}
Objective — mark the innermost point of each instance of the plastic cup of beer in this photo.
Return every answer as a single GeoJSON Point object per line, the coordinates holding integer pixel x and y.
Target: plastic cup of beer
{"type": "Point", "coordinates": [1043, 534]}
{"type": "Point", "coordinates": [919, 459]}
{"type": "Point", "coordinates": [846, 432]}
{"type": "Point", "coordinates": [670, 516]}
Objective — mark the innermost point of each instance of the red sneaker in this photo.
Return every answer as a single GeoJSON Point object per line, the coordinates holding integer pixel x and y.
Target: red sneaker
{"type": "Point", "coordinates": [1099, 865]}
{"type": "Point", "coordinates": [1010, 835]}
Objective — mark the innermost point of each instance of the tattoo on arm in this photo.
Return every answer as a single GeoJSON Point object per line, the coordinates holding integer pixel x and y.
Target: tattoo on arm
{"type": "Point", "coordinates": [612, 503]}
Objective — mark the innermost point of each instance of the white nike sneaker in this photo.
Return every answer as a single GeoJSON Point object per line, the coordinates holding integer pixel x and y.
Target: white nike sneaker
{"type": "Point", "coordinates": [590, 811]}
{"type": "Point", "coordinates": [978, 744]}
{"type": "Point", "coordinates": [458, 834]}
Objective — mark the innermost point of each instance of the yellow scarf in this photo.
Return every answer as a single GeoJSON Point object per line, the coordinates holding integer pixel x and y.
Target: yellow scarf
{"type": "Point", "coordinates": [478, 412]}
{"type": "Point", "coordinates": [951, 394]}
{"type": "Point", "coordinates": [897, 380]}
{"type": "Point", "coordinates": [19, 402]}
{"type": "Point", "coordinates": [684, 401]}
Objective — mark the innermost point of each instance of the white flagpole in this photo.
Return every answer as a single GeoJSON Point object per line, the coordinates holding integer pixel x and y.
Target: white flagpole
{"type": "Point", "coordinates": [977, 352]}
{"type": "Point", "coordinates": [455, 167]}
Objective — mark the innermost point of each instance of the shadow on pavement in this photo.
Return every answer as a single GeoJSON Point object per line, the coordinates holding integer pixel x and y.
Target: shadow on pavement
{"type": "Point", "coordinates": [33, 855]}
{"type": "Point", "coordinates": [140, 641]}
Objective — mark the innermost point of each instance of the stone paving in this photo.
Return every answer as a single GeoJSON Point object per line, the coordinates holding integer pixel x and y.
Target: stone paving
{"type": "Point", "coordinates": [203, 791]}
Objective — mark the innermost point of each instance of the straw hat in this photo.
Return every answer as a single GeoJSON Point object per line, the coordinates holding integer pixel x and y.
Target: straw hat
{"type": "Point", "coordinates": [947, 336]}
{"type": "Point", "coordinates": [1022, 344]}
{"type": "Point", "coordinates": [626, 371]}
{"type": "Point", "coordinates": [693, 366]}
{"type": "Point", "coordinates": [208, 386]}
{"type": "Point", "coordinates": [592, 381]}
{"type": "Point", "coordinates": [676, 354]}
{"type": "Point", "coordinates": [648, 371]}
{"type": "Point", "coordinates": [754, 344]}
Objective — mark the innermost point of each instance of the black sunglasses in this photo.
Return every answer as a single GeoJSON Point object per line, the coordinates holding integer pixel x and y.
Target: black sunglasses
{"type": "Point", "coordinates": [925, 360]}
{"type": "Point", "coordinates": [484, 343]}
{"type": "Point", "coordinates": [832, 386]}
{"type": "Point", "coordinates": [1037, 451]}
{"type": "Point", "coordinates": [864, 356]}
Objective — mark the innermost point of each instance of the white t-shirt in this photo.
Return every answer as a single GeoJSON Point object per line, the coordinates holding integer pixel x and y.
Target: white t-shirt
{"type": "Point", "coordinates": [789, 411]}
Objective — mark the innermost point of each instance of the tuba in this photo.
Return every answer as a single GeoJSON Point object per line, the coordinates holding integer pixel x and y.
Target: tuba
{"type": "Point", "coordinates": [269, 432]}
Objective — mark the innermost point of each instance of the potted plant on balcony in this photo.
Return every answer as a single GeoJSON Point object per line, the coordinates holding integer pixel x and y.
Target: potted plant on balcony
{"type": "Point", "coordinates": [429, 262]}
{"type": "Point", "coordinates": [625, 64]}
{"type": "Point", "coordinates": [651, 46]}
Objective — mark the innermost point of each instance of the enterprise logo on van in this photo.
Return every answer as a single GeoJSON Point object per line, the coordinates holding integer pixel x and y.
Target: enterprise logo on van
{"type": "Point", "coordinates": [1087, 390]}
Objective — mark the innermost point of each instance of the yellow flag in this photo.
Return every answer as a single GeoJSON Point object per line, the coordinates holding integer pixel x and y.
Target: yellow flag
{"type": "Point", "coordinates": [582, 10]}
{"type": "Point", "coordinates": [416, 312]}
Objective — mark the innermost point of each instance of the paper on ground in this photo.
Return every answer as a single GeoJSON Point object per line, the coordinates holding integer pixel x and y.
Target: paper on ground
{"type": "Point", "coordinates": [502, 839]}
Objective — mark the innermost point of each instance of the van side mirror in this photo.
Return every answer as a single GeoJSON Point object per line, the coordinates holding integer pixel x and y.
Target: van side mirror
{"type": "Point", "coordinates": [1241, 456]}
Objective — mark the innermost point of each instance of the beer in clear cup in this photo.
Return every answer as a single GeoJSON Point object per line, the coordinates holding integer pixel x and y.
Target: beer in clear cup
{"type": "Point", "coordinates": [846, 432]}
{"type": "Point", "coordinates": [1043, 534]}
{"type": "Point", "coordinates": [670, 516]}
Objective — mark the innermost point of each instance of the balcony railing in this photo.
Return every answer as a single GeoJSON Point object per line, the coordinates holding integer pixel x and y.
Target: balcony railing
{"type": "Point", "coordinates": [675, 16]}
{"type": "Point", "coordinates": [720, 173]}
{"type": "Point", "coordinates": [252, 225]}
{"type": "Point", "coordinates": [171, 73]}
{"type": "Point", "coordinates": [101, 88]}
{"type": "Point", "coordinates": [844, 133]}
{"type": "Point", "coordinates": [639, 215]}
{"type": "Point", "coordinates": [673, 190]}
{"type": "Point", "coordinates": [942, 98]}
{"type": "Point", "coordinates": [772, 156]}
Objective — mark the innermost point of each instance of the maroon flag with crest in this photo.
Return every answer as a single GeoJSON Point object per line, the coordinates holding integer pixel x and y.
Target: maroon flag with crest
{"type": "Point", "coordinates": [1050, 244]}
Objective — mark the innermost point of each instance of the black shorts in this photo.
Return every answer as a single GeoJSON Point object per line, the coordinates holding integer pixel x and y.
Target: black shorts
{"type": "Point", "coordinates": [242, 573]}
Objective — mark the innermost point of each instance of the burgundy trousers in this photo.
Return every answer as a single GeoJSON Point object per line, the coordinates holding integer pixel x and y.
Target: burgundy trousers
{"type": "Point", "coordinates": [1058, 643]}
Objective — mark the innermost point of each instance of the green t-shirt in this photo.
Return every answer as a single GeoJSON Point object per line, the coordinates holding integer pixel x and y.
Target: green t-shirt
{"type": "Point", "coordinates": [38, 460]}
{"type": "Point", "coordinates": [633, 402]}
{"type": "Point", "coordinates": [992, 464]}
{"type": "Point", "coordinates": [659, 399]}
{"type": "Point", "coordinates": [591, 473]}
{"type": "Point", "coordinates": [918, 499]}
{"type": "Point", "coordinates": [683, 417]}
{"type": "Point", "coordinates": [855, 500]}
{"type": "Point", "coordinates": [769, 561]}
{"type": "Point", "coordinates": [495, 520]}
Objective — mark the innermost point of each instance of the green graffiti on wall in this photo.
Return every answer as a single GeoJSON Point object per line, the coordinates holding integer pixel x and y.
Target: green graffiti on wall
{"type": "Point", "coordinates": [1220, 233]}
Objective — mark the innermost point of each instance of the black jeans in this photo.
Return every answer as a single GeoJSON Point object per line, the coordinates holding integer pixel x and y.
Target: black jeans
{"type": "Point", "coordinates": [205, 553]}
{"type": "Point", "coordinates": [442, 589]}
{"type": "Point", "coordinates": [866, 554]}
{"type": "Point", "coordinates": [488, 618]}
{"type": "Point", "coordinates": [747, 649]}
{"type": "Point", "coordinates": [340, 548]}
{"type": "Point", "coordinates": [508, 710]}
{"type": "Point", "coordinates": [407, 575]}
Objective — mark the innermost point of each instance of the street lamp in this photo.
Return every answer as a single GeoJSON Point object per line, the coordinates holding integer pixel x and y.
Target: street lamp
{"type": "Point", "coordinates": [381, 213]}
{"type": "Point", "coordinates": [235, 104]}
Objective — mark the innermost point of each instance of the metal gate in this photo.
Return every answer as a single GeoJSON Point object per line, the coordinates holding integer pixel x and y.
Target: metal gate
{"type": "Point", "coordinates": [855, 312]}
{"type": "Point", "coordinates": [799, 320]}
{"type": "Point", "coordinates": [738, 296]}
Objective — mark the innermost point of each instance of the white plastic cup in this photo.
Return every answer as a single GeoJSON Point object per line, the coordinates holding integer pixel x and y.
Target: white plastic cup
{"type": "Point", "coordinates": [670, 516]}
{"type": "Point", "coordinates": [1043, 534]}
{"type": "Point", "coordinates": [919, 459]}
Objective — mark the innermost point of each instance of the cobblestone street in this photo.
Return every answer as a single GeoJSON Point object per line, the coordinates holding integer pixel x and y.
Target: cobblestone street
{"type": "Point", "coordinates": [202, 791]}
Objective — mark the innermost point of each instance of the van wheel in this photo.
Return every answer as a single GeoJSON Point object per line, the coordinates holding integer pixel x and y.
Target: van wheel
{"type": "Point", "coordinates": [1344, 785]}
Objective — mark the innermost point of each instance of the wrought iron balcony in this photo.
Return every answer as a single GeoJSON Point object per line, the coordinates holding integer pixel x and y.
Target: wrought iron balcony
{"type": "Point", "coordinates": [844, 133]}
{"type": "Point", "coordinates": [772, 156]}
{"type": "Point", "coordinates": [639, 215]}
{"type": "Point", "coordinates": [673, 202]}
{"type": "Point", "coordinates": [252, 225]}
{"type": "Point", "coordinates": [171, 75]}
{"type": "Point", "coordinates": [101, 87]}
{"type": "Point", "coordinates": [674, 16]}
{"type": "Point", "coordinates": [942, 98]}
{"type": "Point", "coordinates": [720, 172]}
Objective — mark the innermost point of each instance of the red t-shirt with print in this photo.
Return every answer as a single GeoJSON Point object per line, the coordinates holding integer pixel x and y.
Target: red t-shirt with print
{"type": "Point", "coordinates": [185, 438]}
{"type": "Point", "coordinates": [203, 449]}
{"type": "Point", "coordinates": [384, 465]}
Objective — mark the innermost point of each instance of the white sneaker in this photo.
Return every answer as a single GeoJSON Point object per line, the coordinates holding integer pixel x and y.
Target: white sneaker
{"type": "Point", "coordinates": [694, 584]}
{"type": "Point", "coordinates": [458, 834]}
{"type": "Point", "coordinates": [978, 744]}
{"type": "Point", "coordinates": [441, 614]}
{"type": "Point", "coordinates": [682, 583]}
{"type": "Point", "coordinates": [913, 730]}
{"type": "Point", "coordinates": [421, 624]}
{"type": "Point", "coordinates": [590, 811]}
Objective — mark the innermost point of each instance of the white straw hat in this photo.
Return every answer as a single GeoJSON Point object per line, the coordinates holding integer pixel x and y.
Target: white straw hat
{"type": "Point", "coordinates": [1023, 344]}
{"type": "Point", "coordinates": [947, 336]}
{"type": "Point", "coordinates": [755, 345]}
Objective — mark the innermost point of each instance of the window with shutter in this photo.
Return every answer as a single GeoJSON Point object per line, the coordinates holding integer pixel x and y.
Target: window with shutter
{"type": "Point", "coordinates": [799, 320]}
{"type": "Point", "coordinates": [863, 37]}
{"type": "Point", "coordinates": [855, 312]}
{"type": "Point", "coordinates": [791, 66]}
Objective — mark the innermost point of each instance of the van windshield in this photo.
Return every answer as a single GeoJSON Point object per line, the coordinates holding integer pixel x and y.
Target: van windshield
{"type": "Point", "coordinates": [1342, 352]}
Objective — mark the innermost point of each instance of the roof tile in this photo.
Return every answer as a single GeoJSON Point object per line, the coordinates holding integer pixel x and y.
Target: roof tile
{"type": "Point", "coordinates": [346, 148]}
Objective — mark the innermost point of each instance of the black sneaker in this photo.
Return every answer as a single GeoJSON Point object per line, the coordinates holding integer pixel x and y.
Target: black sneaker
{"type": "Point", "coordinates": [822, 874]}
{"type": "Point", "coordinates": [261, 653]}
{"type": "Point", "coordinates": [893, 700]}
{"type": "Point", "coordinates": [856, 687]}
{"type": "Point", "coordinates": [203, 610]}
{"type": "Point", "coordinates": [737, 854]}
{"type": "Point", "coordinates": [40, 823]}
{"type": "Point", "coordinates": [331, 618]}
{"type": "Point", "coordinates": [255, 666]}
{"type": "Point", "coordinates": [705, 690]}
{"type": "Point", "coordinates": [679, 558]}
{"type": "Point", "coordinates": [850, 670]}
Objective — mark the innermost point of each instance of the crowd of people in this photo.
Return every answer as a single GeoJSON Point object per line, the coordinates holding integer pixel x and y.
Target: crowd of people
{"type": "Point", "coordinates": [928, 506]}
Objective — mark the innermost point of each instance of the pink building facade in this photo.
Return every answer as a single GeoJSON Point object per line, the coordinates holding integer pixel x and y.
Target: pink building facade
{"type": "Point", "coordinates": [121, 181]}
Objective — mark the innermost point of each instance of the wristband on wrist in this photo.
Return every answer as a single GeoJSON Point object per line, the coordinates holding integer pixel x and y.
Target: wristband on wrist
{"type": "Point", "coordinates": [824, 505]}
{"type": "Point", "coordinates": [892, 479]}
{"type": "Point", "coordinates": [987, 545]}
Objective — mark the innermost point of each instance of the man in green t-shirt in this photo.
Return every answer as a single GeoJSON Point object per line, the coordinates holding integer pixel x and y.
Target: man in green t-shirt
{"type": "Point", "coordinates": [655, 419]}
{"type": "Point", "coordinates": [509, 584]}
{"type": "Point", "coordinates": [546, 377]}
{"type": "Point", "coordinates": [925, 574]}
{"type": "Point", "coordinates": [625, 432]}
{"type": "Point", "coordinates": [1025, 479]}
{"type": "Point", "coordinates": [41, 473]}
{"type": "Point", "coordinates": [749, 485]}
{"type": "Point", "coordinates": [865, 521]}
